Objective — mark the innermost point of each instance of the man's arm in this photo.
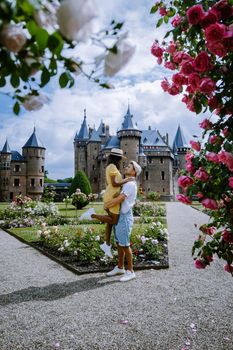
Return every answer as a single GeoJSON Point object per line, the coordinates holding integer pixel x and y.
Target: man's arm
{"type": "Point", "coordinates": [119, 199]}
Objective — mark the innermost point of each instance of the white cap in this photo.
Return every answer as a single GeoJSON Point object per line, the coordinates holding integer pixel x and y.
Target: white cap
{"type": "Point", "coordinates": [137, 167]}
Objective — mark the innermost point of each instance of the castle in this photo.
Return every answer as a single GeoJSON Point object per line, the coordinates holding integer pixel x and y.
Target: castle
{"type": "Point", "coordinates": [160, 162]}
{"type": "Point", "coordinates": [22, 174]}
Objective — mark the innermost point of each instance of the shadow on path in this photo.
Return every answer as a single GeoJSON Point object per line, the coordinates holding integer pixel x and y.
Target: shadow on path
{"type": "Point", "coordinates": [54, 291]}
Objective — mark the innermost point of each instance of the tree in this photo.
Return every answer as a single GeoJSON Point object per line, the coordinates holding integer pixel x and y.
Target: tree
{"type": "Point", "coordinates": [200, 50]}
{"type": "Point", "coordinates": [39, 39]}
{"type": "Point", "coordinates": [80, 181]}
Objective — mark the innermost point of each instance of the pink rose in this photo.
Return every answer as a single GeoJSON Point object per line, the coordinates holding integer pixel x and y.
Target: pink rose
{"type": "Point", "coordinates": [207, 86]}
{"type": "Point", "coordinates": [174, 90]}
{"type": "Point", "coordinates": [160, 60]}
{"type": "Point", "coordinates": [213, 139]}
{"type": "Point", "coordinates": [194, 80]}
{"type": "Point", "coordinates": [230, 182]}
{"type": "Point", "coordinates": [217, 48]}
{"type": "Point", "coordinates": [199, 264]}
{"type": "Point", "coordinates": [185, 181]}
{"type": "Point", "coordinates": [190, 167]}
{"type": "Point", "coordinates": [195, 14]}
{"type": "Point", "coordinates": [202, 62]}
{"type": "Point", "coordinates": [181, 57]}
{"type": "Point", "coordinates": [189, 89]}
{"type": "Point", "coordinates": [195, 145]}
{"type": "Point", "coordinates": [227, 159]}
{"type": "Point", "coordinates": [225, 131]}
{"type": "Point", "coordinates": [210, 230]}
{"type": "Point", "coordinates": [224, 9]}
{"type": "Point", "coordinates": [13, 37]}
{"type": "Point", "coordinates": [213, 103]}
{"type": "Point", "coordinates": [178, 79]}
{"type": "Point", "coordinates": [206, 124]}
{"type": "Point", "coordinates": [209, 203]}
{"type": "Point", "coordinates": [176, 21]}
{"type": "Point", "coordinates": [209, 258]}
{"type": "Point", "coordinates": [182, 198]}
{"type": "Point", "coordinates": [201, 174]}
{"type": "Point", "coordinates": [156, 50]}
{"type": "Point", "coordinates": [187, 67]}
{"type": "Point", "coordinates": [212, 157]}
{"type": "Point", "coordinates": [211, 17]}
{"type": "Point", "coordinates": [227, 236]}
{"type": "Point", "coordinates": [171, 48]}
{"type": "Point", "coordinates": [200, 195]}
{"type": "Point", "coordinates": [163, 11]}
{"type": "Point", "coordinates": [170, 65]}
{"type": "Point", "coordinates": [189, 156]}
{"type": "Point", "coordinates": [228, 268]}
{"type": "Point", "coordinates": [185, 98]}
{"type": "Point", "coordinates": [165, 85]}
{"type": "Point", "coordinates": [215, 32]}
{"type": "Point", "coordinates": [190, 106]}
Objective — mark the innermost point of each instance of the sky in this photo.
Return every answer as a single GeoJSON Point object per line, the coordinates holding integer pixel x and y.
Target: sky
{"type": "Point", "coordinates": [137, 83]}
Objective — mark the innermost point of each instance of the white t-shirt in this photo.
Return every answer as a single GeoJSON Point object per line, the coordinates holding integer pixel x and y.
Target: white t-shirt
{"type": "Point", "coordinates": [130, 191]}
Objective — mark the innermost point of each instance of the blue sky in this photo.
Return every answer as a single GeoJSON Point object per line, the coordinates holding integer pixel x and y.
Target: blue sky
{"type": "Point", "coordinates": [57, 122]}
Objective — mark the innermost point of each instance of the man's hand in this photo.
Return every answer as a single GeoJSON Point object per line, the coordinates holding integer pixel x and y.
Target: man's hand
{"type": "Point", "coordinates": [114, 201]}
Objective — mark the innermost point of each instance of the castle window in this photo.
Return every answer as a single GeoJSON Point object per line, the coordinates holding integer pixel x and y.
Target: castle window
{"type": "Point", "coordinates": [17, 168]}
{"type": "Point", "coordinates": [162, 175]}
{"type": "Point", "coordinates": [16, 183]}
{"type": "Point", "coordinates": [32, 184]}
{"type": "Point", "coordinates": [42, 169]}
{"type": "Point", "coordinates": [150, 160]}
{"type": "Point", "coordinates": [163, 189]}
{"type": "Point", "coordinates": [95, 179]}
{"type": "Point", "coordinates": [93, 167]}
{"type": "Point", "coordinates": [161, 160]}
{"type": "Point", "coordinates": [147, 175]}
{"type": "Point", "coordinates": [41, 182]}
{"type": "Point", "coordinates": [11, 195]}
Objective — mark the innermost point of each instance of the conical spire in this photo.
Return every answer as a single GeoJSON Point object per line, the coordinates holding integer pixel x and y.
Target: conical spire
{"type": "Point", "coordinates": [83, 132]}
{"type": "Point", "coordinates": [95, 136]}
{"type": "Point", "coordinates": [33, 141]}
{"type": "Point", "coordinates": [6, 148]}
{"type": "Point", "coordinates": [101, 128]}
{"type": "Point", "coordinates": [179, 140]}
{"type": "Point", "coordinates": [128, 122]}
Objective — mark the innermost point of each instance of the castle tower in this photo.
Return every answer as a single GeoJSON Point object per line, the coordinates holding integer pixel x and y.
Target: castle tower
{"type": "Point", "coordinates": [180, 148]}
{"type": "Point", "coordinates": [103, 132]}
{"type": "Point", "coordinates": [34, 154]}
{"type": "Point", "coordinates": [5, 171]}
{"type": "Point", "coordinates": [93, 150]}
{"type": "Point", "coordinates": [129, 136]}
{"type": "Point", "coordinates": [80, 143]}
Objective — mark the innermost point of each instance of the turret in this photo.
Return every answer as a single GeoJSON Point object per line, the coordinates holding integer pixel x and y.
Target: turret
{"type": "Point", "coordinates": [34, 154]}
{"type": "Point", "coordinates": [5, 170]}
{"type": "Point", "coordinates": [93, 149]}
{"type": "Point", "coordinates": [180, 148]}
{"type": "Point", "coordinates": [129, 136]}
{"type": "Point", "coordinates": [80, 143]}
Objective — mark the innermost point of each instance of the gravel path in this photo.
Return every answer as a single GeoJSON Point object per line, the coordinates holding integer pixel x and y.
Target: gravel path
{"type": "Point", "coordinates": [43, 306]}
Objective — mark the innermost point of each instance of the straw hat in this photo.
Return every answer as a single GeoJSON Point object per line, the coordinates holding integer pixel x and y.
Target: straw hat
{"type": "Point", "coordinates": [137, 167]}
{"type": "Point", "coordinates": [117, 152]}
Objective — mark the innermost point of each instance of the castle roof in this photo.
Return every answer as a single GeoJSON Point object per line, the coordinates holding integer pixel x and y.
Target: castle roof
{"type": "Point", "coordinates": [16, 156]}
{"type": "Point", "coordinates": [101, 128]}
{"type": "Point", "coordinates": [128, 122]}
{"type": "Point", "coordinates": [6, 148]}
{"type": "Point", "coordinates": [112, 142]}
{"type": "Point", "coordinates": [179, 140]}
{"type": "Point", "coordinates": [152, 138]}
{"type": "Point", "coordinates": [95, 136]}
{"type": "Point", "coordinates": [83, 132]}
{"type": "Point", "coordinates": [33, 141]}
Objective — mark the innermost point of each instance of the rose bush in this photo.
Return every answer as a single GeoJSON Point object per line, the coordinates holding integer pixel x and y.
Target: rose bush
{"type": "Point", "coordinates": [200, 49]}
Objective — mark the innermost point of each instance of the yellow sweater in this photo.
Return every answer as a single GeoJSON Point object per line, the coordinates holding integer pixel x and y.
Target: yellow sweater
{"type": "Point", "coordinates": [111, 192]}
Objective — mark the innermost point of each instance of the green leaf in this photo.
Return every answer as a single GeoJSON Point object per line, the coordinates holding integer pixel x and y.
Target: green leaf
{"type": "Point", "coordinates": [15, 81]}
{"type": "Point", "coordinates": [45, 77]}
{"type": "Point", "coordinates": [197, 106]}
{"type": "Point", "coordinates": [2, 81]}
{"type": "Point", "coordinates": [230, 2]}
{"type": "Point", "coordinates": [118, 25]}
{"type": "Point", "coordinates": [16, 108]}
{"type": "Point", "coordinates": [105, 85]}
{"type": "Point", "coordinates": [63, 80]}
{"type": "Point", "coordinates": [32, 27]}
{"type": "Point", "coordinates": [26, 7]}
{"type": "Point", "coordinates": [166, 19]}
{"type": "Point", "coordinates": [113, 49]}
{"type": "Point", "coordinates": [55, 43]}
{"type": "Point", "coordinates": [154, 8]}
{"type": "Point", "coordinates": [171, 12]}
{"type": "Point", "coordinates": [42, 37]}
{"type": "Point", "coordinates": [160, 21]}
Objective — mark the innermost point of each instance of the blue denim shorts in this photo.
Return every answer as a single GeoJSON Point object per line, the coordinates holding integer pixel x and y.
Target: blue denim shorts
{"type": "Point", "coordinates": [123, 228]}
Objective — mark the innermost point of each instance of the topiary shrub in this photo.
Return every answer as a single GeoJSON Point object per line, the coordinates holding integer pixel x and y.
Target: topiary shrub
{"type": "Point", "coordinates": [80, 181]}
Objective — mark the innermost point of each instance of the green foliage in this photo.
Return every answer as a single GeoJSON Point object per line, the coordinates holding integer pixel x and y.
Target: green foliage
{"type": "Point", "coordinates": [80, 181]}
{"type": "Point", "coordinates": [153, 196]}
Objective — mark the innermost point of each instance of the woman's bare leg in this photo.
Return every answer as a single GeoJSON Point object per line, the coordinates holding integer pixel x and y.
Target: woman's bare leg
{"type": "Point", "coordinates": [110, 220]}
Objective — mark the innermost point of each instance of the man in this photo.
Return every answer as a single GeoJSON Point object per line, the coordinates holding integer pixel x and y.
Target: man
{"type": "Point", "coordinates": [127, 199]}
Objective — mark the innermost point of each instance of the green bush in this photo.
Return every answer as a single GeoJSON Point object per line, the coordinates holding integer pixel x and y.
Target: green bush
{"type": "Point", "coordinates": [80, 181]}
{"type": "Point", "coordinates": [153, 196]}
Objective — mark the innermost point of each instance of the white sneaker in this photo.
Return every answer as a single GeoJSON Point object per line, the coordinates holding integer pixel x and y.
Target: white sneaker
{"type": "Point", "coordinates": [106, 249]}
{"type": "Point", "coordinates": [115, 271]}
{"type": "Point", "coordinates": [128, 276]}
{"type": "Point", "coordinates": [87, 214]}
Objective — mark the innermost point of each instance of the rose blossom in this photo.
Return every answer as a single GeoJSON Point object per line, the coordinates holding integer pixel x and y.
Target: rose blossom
{"type": "Point", "coordinates": [212, 157]}
{"type": "Point", "coordinates": [228, 268]}
{"type": "Point", "coordinates": [227, 159]}
{"type": "Point", "coordinates": [116, 61]}
{"type": "Point", "coordinates": [176, 21]}
{"type": "Point", "coordinates": [189, 156]}
{"type": "Point", "coordinates": [215, 32]}
{"type": "Point", "coordinates": [199, 264]}
{"type": "Point", "coordinates": [224, 9]}
{"type": "Point", "coordinates": [225, 131]}
{"type": "Point", "coordinates": [190, 106]}
{"type": "Point", "coordinates": [174, 90]}
{"type": "Point", "coordinates": [195, 14]}
{"type": "Point", "coordinates": [207, 86]}
{"type": "Point", "coordinates": [34, 102]}
{"type": "Point", "coordinates": [195, 145]}
{"type": "Point", "coordinates": [178, 79]}
{"type": "Point", "coordinates": [202, 62]}
{"type": "Point", "coordinates": [156, 50]}
{"type": "Point", "coordinates": [170, 65]}
{"type": "Point", "coordinates": [194, 80]}
{"type": "Point", "coordinates": [200, 195]}
{"type": "Point", "coordinates": [13, 37]}
{"type": "Point", "coordinates": [171, 47]}
{"type": "Point", "coordinates": [181, 57]}
{"type": "Point", "coordinates": [182, 198]}
{"type": "Point", "coordinates": [213, 139]}
{"type": "Point", "coordinates": [74, 18]}
{"type": "Point", "coordinates": [160, 60]}
{"type": "Point", "coordinates": [227, 236]}
{"type": "Point", "coordinates": [185, 181]}
{"type": "Point", "coordinates": [163, 11]}
{"type": "Point", "coordinates": [230, 182]}
{"type": "Point", "coordinates": [211, 17]}
{"type": "Point", "coordinates": [187, 67]}
{"type": "Point", "coordinates": [165, 85]}
{"type": "Point", "coordinates": [185, 98]}
{"type": "Point", "coordinates": [190, 167]}
{"type": "Point", "coordinates": [209, 203]}
{"type": "Point", "coordinates": [206, 124]}
{"type": "Point", "coordinates": [201, 174]}
{"type": "Point", "coordinates": [189, 89]}
{"type": "Point", "coordinates": [217, 48]}
{"type": "Point", "coordinates": [213, 102]}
